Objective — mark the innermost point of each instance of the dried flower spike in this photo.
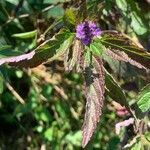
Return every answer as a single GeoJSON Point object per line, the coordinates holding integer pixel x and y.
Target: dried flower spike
{"type": "Point", "coordinates": [86, 31]}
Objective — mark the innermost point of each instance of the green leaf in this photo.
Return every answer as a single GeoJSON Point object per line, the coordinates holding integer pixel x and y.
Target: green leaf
{"type": "Point", "coordinates": [88, 55]}
{"type": "Point", "coordinates": [94, 92]}
{"type": "Point", "coordinates": [63, 47]}
{"type": "Point", "coordinates": [73, 57]}
{"type": "Point", "coordinates": [25, 35]}
{"type": "Point", "coordinates": [4, 47]}
{"type": "Point", "coordinates": [113, 143]}
{"type": "Point", "coordinates": [70, 17]}
{"type": "Point", "coordinates": [51, 50]}
{"type": "Point", "coordinates": [116, 41]}
{"type": "Point", "coordinates": [55, 12]}
{"type": "Point", "coordinates": [114, 90]}
{"type": "Point", "coordinates": [15, 2]}
{"type": "Point", "coordinates": [74, 138]}
{"type": "Point", "coordinates": [62, 111]}
{"type": "Point", "coordinates": [42, 114]}
{"type": "Point", "coordinates": [55, 1]}
{"type": "Point", "coordinates": [131, 11]}
{"type": "Point", "coordinates": [122, 4]}
{"type": "Point", "coordinates": [48, 134]}
{"type": "Point", "coordinates": [116, 66]}
{"type": "Point", "coordinates": [137, 24]}
{"type": "Point", "coordinates": [7, 51]}
{"type": "Point", "coordinates": [137, 146]}
{"type": "Point", "coordinates": [147, 136]}
{"type": "Point", "coordinates": [144, 99]}
{"type": "Point", "coordinates": [96, 48]}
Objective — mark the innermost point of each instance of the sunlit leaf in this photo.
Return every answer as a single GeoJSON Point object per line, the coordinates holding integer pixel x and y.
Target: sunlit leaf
{"type": "Point", "coordinates": [25, 35]}
{"type": "Point", "coordinates": [70, 17]}
{"type": "Point", "coordinates": [48, 134]}
{"type": "Point", "coordinates": [122, 4]}
{"type": "Point", "coordinates": [75, 58]}
{"type": "Point", "coordinates": [51, 50]}
{"type": "Point", "coordinates": [94, 92]}
{"type": "Point", "coordinates": [122, 56]}
{"type": "Point", "coordinates": [116, 41]}
{"type": "Point", "coordinates": [17, 58]}
{"type": "Point", "coordinates": [42, 114]}
{"type": "Point", "coordinates": [63, 47]}
{"type": "Point", "coordinates": [54, 1]}
{"type": "Point", "coordinates": [88, 56]}
{"type": "Point", "coordinates": [137, 146]}
{"type": "Point", "coordinates": [144, 99]}
{"type": "Point", "coordinates": [74, 138]}
{"type": "Point", "coordinates": [131, 11]}
{"type": "Point", "coordinates": [147, 136]}
{"type": "Point", "coordinates": [96, 48]}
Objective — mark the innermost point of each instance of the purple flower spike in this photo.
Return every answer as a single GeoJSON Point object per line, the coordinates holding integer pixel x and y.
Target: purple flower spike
{"type": "Point", "coordinates": [86, 31]}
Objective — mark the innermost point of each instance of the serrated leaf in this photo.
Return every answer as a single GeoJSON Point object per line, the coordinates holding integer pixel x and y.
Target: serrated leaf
{"type": "Point", "coordinates": [63, 47]}
{"type": "Point", "coordinates": [17, 58]}
{"type": "Point", "coordinates": [94, 92]}
{"type": "Point", "coordinates": [25, 35]}
{"type": "Point", "coordinates": [88, 55]}
{"type": "Point", "coordinates": [122, 56]}
{"type": "Point", "coordinates": [114, 90]}
{"type": "Point", "coordinates": [75, 58]}
{"type": "Point", "coordinates": [116, 41]}
{"type": "Point", "coordinates": [51, 50]}
{"type": "Point", "coordinates": [144, 99]}
{"type": "Point", "coordinates": [96, 48]}
{"type": "Point", "coordinates": [116, 66]}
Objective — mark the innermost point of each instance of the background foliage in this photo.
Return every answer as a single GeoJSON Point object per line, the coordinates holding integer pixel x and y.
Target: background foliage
{"type": "Point", "coordinates": [43, 107]}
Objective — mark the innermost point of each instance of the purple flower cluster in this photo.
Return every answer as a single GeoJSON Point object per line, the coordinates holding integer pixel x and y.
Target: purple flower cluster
{"type": "Point", "coordinates": [86, 31]}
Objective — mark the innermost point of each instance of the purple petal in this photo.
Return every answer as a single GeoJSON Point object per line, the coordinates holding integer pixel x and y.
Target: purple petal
{"type": "Point", "coordinates": [86, 31]}
{"type": "Point", "coordinates": [79, 30]}
{"type": "Point", "coordinates": [92, 24]}
{"type": "Point", "coordinates": [86, 41]}
{"type": "Point", "coordinates": [97, 32]}
{"type": "Point", "coordinates": [17, 58]}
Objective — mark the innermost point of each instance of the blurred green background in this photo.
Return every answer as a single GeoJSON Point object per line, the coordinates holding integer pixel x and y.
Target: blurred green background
{"type": "Point", "coordinates": [52, 112]}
